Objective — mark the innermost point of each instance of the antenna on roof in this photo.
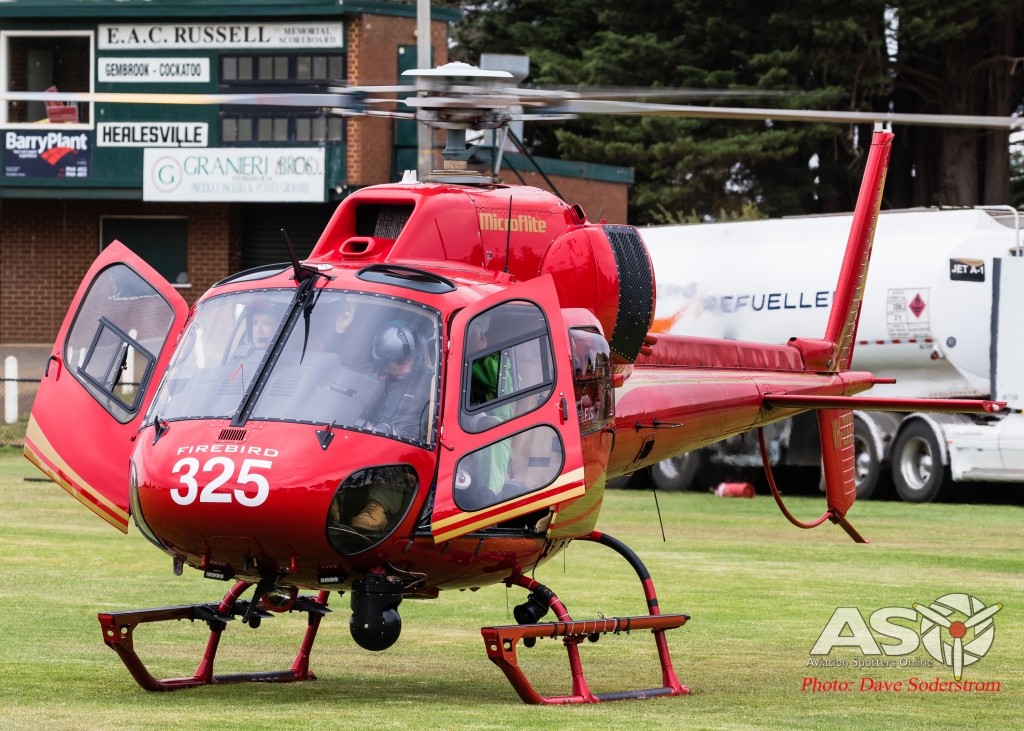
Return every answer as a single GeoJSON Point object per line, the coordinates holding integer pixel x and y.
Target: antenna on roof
{"type": "Point", "coordinates": [301, 273]}
{"type": "Point", "coordinates": [508, 232]}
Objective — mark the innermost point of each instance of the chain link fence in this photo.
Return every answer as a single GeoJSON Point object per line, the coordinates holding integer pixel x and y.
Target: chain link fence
{"type": "Point", "coordinates": [18, 395]}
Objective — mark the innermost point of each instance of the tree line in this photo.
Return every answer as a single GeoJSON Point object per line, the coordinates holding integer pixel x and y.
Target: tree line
{"type": "Point", "coordinates": [953, 57]}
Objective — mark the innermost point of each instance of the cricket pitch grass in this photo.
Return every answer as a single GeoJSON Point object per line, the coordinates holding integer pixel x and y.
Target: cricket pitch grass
{"type": "Point", "coordinates": [759, 593]}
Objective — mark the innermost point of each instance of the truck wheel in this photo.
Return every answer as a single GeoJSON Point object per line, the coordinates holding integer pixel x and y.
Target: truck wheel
{"type": "Point", "coordinates": [866, 463]}
{"type": "Point", "coordinates": [676, 473]}
{"type": "Point", "coordinates": [917, 467]}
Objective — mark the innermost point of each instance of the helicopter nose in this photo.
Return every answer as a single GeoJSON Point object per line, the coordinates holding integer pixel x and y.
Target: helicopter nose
{"type": "Point", "coordinates": [276, 499]}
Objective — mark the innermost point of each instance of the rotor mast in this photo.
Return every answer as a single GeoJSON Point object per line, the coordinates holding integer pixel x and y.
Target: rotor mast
{"type": "Point", "coordinates": [424, 134]}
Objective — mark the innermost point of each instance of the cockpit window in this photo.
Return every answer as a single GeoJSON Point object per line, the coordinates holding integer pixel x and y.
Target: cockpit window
{"type": "Point", "coordinates": [509, 371]}
{"type": "Point", "coordinates": [351, 359]}
{"type": "Point", "coordinates": [220, 354]}
{"type": "Point", "coordinates": [119, 330]}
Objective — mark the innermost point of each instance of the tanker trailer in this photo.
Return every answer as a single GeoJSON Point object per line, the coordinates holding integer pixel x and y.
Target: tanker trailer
{"type": "Point", "coordinates": [930, 319]}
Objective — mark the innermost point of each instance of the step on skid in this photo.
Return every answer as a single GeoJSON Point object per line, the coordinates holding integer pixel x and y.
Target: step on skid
{"type": "Point", "coordinates": [501, 642]}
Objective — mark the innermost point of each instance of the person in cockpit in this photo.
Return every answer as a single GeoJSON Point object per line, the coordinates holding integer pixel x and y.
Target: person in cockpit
{"type": "Point", "coordinates": [262, 319]}
{"type": "Point", "coordinates": [397, 356]}
{"type": "Point", "coordinates": [491, 378]}
{"type": "Point", "coordinates": [340, 340]}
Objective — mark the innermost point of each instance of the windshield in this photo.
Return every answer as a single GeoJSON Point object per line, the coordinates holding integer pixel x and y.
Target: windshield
{"type": "Point", "coordinates": [351, 359]}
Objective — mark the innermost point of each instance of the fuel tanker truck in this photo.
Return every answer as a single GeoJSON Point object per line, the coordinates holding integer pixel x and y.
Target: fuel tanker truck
{"type": "Point", "coordinates": [941, 315]}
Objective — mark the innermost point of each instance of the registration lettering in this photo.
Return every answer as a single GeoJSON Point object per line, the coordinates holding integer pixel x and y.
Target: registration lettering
{"type": "Point", "coordinates": [222, 468]}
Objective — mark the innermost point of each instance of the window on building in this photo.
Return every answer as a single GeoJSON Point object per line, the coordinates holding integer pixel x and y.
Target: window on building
{"type": "Point", "coordinates": [161, 242]}
{"type": "Point", "coordinates": [261, 230]}
{"type": "Point", "coordinates": [41, 61]}
{"type": "Point", "coordinates": [276, 73]}
{"type": "Point", "coordinates": [288, 67]}
{"type": "Point", "coordinates": [288, 129]}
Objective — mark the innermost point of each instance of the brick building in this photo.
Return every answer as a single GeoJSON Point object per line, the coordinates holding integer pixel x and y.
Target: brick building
{"type": "Point", "coordinates": [79, 176]}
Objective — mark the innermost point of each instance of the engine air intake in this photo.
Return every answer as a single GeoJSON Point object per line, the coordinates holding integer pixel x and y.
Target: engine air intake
{"type": "Point", "coordinates": [636, 291]}
{"type": "Point", "coordinates": [382, 220]}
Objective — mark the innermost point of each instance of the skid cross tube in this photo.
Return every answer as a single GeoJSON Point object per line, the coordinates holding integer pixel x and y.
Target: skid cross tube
{"type": "Point", "coordinates": [501, 642]}
{"type": "Point", "coordinates": [118, 627]}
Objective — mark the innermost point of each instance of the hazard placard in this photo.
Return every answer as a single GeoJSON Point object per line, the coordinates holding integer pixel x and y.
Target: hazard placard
{"type": "Point", "coordinates": [907, 313]}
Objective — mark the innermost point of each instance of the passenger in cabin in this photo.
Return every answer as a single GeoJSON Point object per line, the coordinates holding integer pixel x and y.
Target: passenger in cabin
{"type": "Point", "coordinates": [262, 319]}
{"type": "Point", "coordinates": [340, 338]}
{"type": "Point", "coordinates": [491, 378]}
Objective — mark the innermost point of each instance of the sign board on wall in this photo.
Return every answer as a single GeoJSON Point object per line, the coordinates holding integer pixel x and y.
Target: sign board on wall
{"type": "Point", "coordinates": [249, 174]}
{"type": "Point", "coordinates": [294, 36]}
{"type": "Point", "coordinates": [152, 134]}
{"type": "Point", "coordinates": [152, 70]}
{"type": "Point", "coordinates": [49, 154]}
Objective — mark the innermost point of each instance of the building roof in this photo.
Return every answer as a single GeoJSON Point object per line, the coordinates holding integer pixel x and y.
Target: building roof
{"type": "Point", "coordinates": [570, 168]}
{"type": "Point", "coordinates": [145, 9]}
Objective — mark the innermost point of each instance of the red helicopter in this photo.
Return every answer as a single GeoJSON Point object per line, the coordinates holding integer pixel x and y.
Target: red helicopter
{"type": "Point", "coordinates": [433, 400]}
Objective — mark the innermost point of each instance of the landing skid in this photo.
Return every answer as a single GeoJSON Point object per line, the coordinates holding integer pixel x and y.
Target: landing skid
{"type": "Point", "coordinates": [117, 628]}
{"type": "Point", "coordinates": [501, 642]}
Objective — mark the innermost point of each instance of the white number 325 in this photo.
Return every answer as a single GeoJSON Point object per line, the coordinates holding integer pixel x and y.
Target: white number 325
{"type": "Point", "coordinates": [190, 465]}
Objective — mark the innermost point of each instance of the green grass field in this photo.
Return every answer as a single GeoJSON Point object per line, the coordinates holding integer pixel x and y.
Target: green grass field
{"type": "Point", "coordinates": [759, 592]}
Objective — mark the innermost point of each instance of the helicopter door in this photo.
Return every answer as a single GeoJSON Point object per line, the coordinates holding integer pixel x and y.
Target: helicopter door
{"type": "Point", "coordinates": [510, 437]}
{"type": "Point", "coordinates": [109, 356]}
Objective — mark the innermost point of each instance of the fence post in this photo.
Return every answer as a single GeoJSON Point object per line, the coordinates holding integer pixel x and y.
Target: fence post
{"type": "Point", "coordinates": [10, 389]}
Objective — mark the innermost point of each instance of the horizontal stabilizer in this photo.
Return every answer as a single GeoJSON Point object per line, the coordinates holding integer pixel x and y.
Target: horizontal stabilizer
{"type": "Point", "coordinates": [861, 403]}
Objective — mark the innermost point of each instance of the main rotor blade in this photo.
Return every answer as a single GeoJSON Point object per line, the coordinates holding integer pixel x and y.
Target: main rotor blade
{"type": "Point", "coordinates": [353, 99]}
{"type": "Point", "coordinates": [783, 115]}
{"type": "Point", "coordinates": [640, 92]}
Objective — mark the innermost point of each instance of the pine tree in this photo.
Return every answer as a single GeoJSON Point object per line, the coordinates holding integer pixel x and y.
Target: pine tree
{"type": "Point", "coordinates": [864, 55]}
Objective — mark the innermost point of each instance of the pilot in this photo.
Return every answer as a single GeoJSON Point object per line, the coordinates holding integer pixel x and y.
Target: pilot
{"type": "Point", "coordinates": [398, 361]}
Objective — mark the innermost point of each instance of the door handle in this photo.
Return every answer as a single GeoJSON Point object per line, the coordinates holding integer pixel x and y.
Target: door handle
{"type": "Point", "coordinates": [46, 371]}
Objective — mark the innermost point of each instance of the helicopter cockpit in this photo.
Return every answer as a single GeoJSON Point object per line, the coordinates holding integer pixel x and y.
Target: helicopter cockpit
{"type": "Point", "coordinates": [349, 359]}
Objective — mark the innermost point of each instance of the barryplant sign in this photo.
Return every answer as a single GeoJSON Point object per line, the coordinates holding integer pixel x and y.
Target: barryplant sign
{"type": "Point", "coordinates": [47, 154]}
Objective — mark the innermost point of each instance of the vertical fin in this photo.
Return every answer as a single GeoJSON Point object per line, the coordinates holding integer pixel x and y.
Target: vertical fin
{"type": "Point", "coordinates": [838, 465]}
{"type": "Point", "coordinates": [845, 313]}
{"type": "Point", "coordinates": [837, 455]}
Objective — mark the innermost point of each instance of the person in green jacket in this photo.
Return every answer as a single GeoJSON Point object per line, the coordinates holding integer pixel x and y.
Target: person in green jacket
{"type": "Point", "coordinates": [491, 378]}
